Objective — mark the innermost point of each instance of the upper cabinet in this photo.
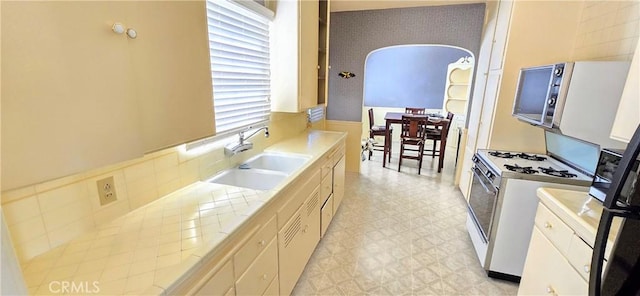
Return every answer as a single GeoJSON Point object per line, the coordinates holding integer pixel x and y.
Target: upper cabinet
{"type": "Point", "coordinates": [77, 96]}
{"type": "Point", "coordinates": [294, 56]}
{"type": "Point", "coordinates": [323, 50]}
{"type": "Point", "coordinates": [172, 70]}
{"type": "Point", "coordinates": [628, 116]}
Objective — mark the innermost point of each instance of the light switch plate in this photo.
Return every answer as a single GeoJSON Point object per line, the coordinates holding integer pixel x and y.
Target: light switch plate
{"type": "Point", "coordinates": [106, 191]}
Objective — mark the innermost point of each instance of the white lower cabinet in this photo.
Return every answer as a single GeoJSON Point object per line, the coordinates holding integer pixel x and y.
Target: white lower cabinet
{"type": "Point", "coordinates": [558, 260]}
{"type": "Point", "coordinates": [257, 278]}
{"type": "Point", "coordinates": [547, 271]}
{"type": "Point", "coordinates": [274, 288]}
{"type": "Point", "coordinates": [338, 182]}
{"type": "Point", "coordinates": [297, 240]}
{"type": "Point", "coordinates": [221, 283]}
{"type": "Point", "coordinates": [268, 256]}
{"type": "Point", "coordinates": [326, 215]}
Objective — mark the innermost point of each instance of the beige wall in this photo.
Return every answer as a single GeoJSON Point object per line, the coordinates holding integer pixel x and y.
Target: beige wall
{"type": "Point", "coordinates": [594, 30]}
{"type": "Point", "coordinates": [353, 142]}
{"type": "Point", "coordinates": [43, 216]}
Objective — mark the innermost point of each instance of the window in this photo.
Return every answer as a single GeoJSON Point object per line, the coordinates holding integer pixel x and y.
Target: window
{"type": "Point", "coordinates": [239, 50]}
{"type": "Point", "coordinates": [315, 114]}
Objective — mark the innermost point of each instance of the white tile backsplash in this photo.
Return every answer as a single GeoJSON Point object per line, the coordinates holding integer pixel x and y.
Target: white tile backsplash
{"type": "Point", "coordinates": [61, 196]}
{"type": "Point", "coordinates": [43, 216]}
{"type": "Point", "coordinates": [20, 211]}
{"type": "Point", "coordinates": [28, 229]}
{"type": "Point", "coordinates": [608, 30]}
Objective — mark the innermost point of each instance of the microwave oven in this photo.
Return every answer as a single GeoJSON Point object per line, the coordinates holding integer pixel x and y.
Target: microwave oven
{"type": "Point", "coordinates": [578, 99]}
{"type": "Point", "coordinates": [607, 165]}
{"type": "Point", "coordinates": [540, 92]}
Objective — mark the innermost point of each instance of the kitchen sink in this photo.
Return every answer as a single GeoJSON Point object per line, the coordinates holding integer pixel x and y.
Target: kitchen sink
{"type": "Point", "coordinates": [252, 179]}
{"type": "Point", "coordinates": [286, 163]}
{"type": "Point", "coordinates": [264, 171]}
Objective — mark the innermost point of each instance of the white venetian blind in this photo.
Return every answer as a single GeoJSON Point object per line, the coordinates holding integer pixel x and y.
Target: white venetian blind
{"type": "Point", "coordinates": [239, 49]}
{"type": "Point", "coordinates": [316, 114]}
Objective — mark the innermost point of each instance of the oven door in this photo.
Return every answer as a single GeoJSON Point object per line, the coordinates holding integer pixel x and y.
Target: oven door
{"type": "Point", "coordinates": [482, 202]}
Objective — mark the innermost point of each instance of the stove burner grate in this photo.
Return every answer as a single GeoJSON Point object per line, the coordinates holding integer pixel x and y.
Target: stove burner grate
{"type": "Point", "coordinates": [532, 157]}
{"type": "Point", "coordinates": [518, 169]}
{"type": "Point", "coordinates": [557, 173]}
{"type": "Point", "coordinates": [500, 154]}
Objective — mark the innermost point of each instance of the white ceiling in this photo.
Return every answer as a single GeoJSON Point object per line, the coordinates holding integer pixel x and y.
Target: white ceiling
{"type": "Point", "coordinates": [349, 5]}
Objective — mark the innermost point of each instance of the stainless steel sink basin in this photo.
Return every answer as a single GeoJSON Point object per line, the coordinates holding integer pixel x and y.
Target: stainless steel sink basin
{"type": "Point", "coordinates": [281, 162]}
{"type": "Point", "coordinates": [264, 171]}
{"type": "Point", "coordinates": [252, 179]}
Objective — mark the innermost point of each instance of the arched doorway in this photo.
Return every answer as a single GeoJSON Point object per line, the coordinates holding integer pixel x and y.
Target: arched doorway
{"type": "Point", "coordinates": [431, 76]}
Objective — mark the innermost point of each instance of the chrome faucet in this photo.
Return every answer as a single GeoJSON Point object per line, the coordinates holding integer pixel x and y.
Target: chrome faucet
{"type": "Point", "coordinates": [242, 144]}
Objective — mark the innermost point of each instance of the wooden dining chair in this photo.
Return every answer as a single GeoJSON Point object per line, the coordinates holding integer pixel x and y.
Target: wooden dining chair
{"type": "Point", "coordinates": [438, 132]}
{"type": "Point", "coordinates": [412, 139]}
{"type": "Point", "coordinates": [378, 130]}
{"type": "Point", "coordinates": [409, 110]}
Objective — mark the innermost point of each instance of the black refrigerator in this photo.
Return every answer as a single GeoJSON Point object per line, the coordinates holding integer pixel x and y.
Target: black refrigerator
{"type": "Point", "coordinates": [622, 274]}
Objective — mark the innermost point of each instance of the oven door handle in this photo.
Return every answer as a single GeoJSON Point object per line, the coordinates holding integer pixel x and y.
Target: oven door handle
{"type": "Point", "coordinates": [481, 177]}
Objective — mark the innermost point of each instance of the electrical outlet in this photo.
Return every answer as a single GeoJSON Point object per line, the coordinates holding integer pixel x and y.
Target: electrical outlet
{"type": "Point", "coordinates": [107, 191]}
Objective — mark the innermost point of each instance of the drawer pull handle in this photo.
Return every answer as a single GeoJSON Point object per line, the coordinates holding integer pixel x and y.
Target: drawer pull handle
{"type": "Point", "coordinates": [587, 268]}
{"type": "Point", "coordinates": [261, 243]}
{"type": "Point", "coordinates": [551, 291]}
{"type": "Point", "coordinates": [264, 277]}
{"type": "Point", "coordinates": [548, 225]}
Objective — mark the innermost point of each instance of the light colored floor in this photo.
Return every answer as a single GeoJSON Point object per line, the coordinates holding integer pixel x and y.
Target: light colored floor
{"type": "Point", "coordinates": [399, 233]}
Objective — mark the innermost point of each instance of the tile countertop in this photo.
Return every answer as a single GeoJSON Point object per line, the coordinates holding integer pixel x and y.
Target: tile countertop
{"type": "Point", "coordinates": [579, 211]}
{"type": "Point", "coordinates": [150, 248]}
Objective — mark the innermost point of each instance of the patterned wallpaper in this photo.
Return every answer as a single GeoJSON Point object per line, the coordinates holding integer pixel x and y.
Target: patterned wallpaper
{"type": "Point", "coordinates": [354, 34]}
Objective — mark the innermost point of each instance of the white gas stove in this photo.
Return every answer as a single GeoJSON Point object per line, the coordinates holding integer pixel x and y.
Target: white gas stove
{"type": "Point", "coordinates": [502, 204]}
{"type": "Point", "coordinates": [531, 166]}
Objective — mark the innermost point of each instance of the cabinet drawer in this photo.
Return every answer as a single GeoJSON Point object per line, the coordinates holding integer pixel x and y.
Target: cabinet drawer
{"type": "Point", "coordinates": [339, 154]}
{"type": "Point", "coordinates": [260, 273]}
{"type": "Point", "coordinates": [327, 168]}
{"type": "Point", "coordinates": [252, 248]}
{"type": "Point", "coordinates": [579, 256]}
{"type": "Point", "coordinates": [553, 228]}
{"type": "Point", "coordinates": [326, 188]}
{"type": "Point", "coordinates": [326, 214]}
{"type": "Point", "coordinates": [220, 283]}
{"type": "Point", "coordinates": [273, 289]}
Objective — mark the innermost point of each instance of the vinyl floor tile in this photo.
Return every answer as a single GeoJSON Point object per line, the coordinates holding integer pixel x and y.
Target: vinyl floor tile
{"type": "Point", "coordinates": [399, 233]}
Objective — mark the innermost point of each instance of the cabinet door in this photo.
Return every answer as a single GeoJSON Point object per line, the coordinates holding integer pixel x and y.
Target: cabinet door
{"type": "Point", "coordinates": [68, 92]}
{"type": "Point", "coordinates": [546, 271]}
{"type": "Point", "coordinates": [326, 215]}
{"type": "Point", "coordinates": [500, 37]}
{"type": "Point", "coordinates": [172, 72]}
{"type": "Point", "coordinates": [338, 183]}
{"type": "Point", "coordinates": [628, 115]}
{"type": "Point", "coordinates": [480, 80]}
{"type": "Point", "coordinates": [296, 242]}
{"type": "Point", "coordinates": [488, 106]}
{"type": "Point", "coordinates": [308, 54]}
{"type": "Point", "coordinates": [294, 56]}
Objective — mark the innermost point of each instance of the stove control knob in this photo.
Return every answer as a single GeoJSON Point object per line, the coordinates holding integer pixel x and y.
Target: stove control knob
{"type": "Point", "coordinates": [558, 71]}
{"type": "Point", "coordinates": [490, 175]}
{"type": "Point", "coordinates": [552, 101]}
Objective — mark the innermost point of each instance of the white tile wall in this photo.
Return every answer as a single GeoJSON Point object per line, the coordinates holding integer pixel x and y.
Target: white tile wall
{"type": "Point", "coordinates": [608, 30]}
{"type": "Point", "coordinates": [43, 216]}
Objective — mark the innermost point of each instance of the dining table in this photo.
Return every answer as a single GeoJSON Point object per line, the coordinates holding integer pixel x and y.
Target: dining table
{"type": "Point", "coordinates": [396, 118]}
